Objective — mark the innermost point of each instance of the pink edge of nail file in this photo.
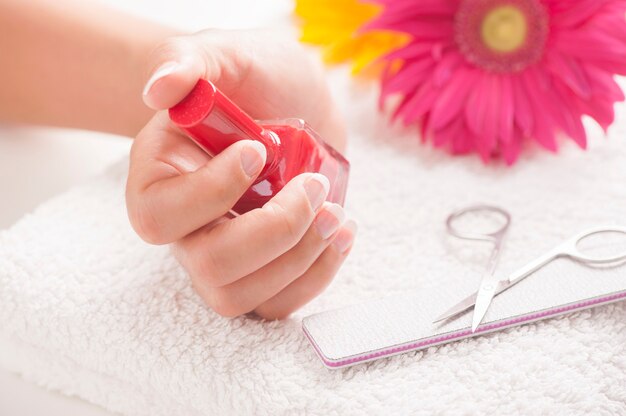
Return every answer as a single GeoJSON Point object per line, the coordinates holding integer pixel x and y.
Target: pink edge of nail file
{"type": "Point", "coordinates": [400, 324]}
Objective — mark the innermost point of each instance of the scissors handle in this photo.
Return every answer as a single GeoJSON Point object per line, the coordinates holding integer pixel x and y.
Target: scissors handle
{"type": "Point", "coordinates": [569, 248]}
{"type": "Point", "coordinates": [531, 267]}
{"type": "Point", "coordinates": [493, 236]}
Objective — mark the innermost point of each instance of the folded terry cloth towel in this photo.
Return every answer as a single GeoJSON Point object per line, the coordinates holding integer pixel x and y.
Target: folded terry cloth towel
{"type": "Point", "coordinates": [88, 309]}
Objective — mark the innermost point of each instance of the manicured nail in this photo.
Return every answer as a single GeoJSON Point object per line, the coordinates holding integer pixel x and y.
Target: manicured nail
{"type": "Point", "coordinates": [329, 220]}
{"type": "Point", "coordinates": [316, 188]}
{"type": "Point", "coordinates": [253, 157]}
{"type": "Point", "coordinates": [164, 70]}
{"type": "Point", "coordinates": [344, 239]}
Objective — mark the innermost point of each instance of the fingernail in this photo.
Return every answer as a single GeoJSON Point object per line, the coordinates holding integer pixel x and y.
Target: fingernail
{"type": "Point", "coordinates": [344, 239]}
{"type": "Point", "coordinates": [316, 188]}
{"type": "Point", "coordinates": [164, 70]}
{"type": "Point", "coordinates": [329, 220]}
{"type": "Point", "coordinates": [253, 157]}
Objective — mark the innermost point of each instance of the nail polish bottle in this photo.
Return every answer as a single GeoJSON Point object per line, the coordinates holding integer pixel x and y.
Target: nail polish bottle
{"type": "Point", "coordinates": [214, 122]}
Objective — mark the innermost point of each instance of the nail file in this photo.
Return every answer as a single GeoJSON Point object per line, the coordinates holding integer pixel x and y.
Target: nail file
{"type": "Point", "coordinates": [403, 323]}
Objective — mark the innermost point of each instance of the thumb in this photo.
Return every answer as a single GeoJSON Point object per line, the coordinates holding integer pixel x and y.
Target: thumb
{"type": "Point", "coordinates": [176, 64]}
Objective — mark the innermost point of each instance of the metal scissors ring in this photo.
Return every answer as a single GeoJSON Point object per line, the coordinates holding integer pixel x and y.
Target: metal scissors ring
{"type": "Point", "coordinates": [569, 248]}
{"type": "Point", "coordinates": [492, 236]}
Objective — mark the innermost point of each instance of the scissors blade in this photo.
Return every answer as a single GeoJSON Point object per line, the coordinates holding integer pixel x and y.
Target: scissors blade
{"type": "Point", "coordinates": [483, 299]}
{"type": "Point", "coordinates": [457, 309]}
{"type": "Point", "coordinates": [469, 302]}
{"type": "Point", "coordinates": [488, 284]}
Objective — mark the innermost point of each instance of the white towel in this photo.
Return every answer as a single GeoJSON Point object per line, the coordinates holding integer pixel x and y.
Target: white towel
{"type": "Point", "coordinates": [88, 309]}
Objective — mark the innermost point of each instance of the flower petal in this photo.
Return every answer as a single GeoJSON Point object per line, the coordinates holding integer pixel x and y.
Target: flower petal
{"type": "Point", "coordinates": [507, 109]}
{"type": "Point", "coordinates": [422, 29]}
{"type": "Point", "coordinates": [446, 67]}
{"type": "Point", "coordinates": [411, 8]}
{"type": "Point", "coordinates": [523, 110]}
{"type": "Point", "coordinates": [452, 98]}
{"type": "Point", "coordinates": [578, 12]}
{"type": "Point", "coordinates": [567, 114]}
{"type": "Point", "coordinates": [599, 109]}
{"type": "Point", "coordinates": [603, 83]}
{"type": "Point", "coordinates": [415, 107]}
{"type": "Point", "coordinates": [543, 131]}
{"type": "Point", "coordinates": [570, 72]}
{"type": "Point", "coordinates": [511, 149]}
{"type": "Point", "coordinates": [409, 77]}
{"type": "Point", "coordinates": [448, 134]}
{"type": "Point", "coordinates": [482, 113]}
{"type": "Point", "coordinates": [593, 46]}
{"type": "Point", "coordinates": [413, 50]}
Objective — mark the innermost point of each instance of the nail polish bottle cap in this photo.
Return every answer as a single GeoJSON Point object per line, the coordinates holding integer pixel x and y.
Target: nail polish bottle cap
{"type": "Point", "coordinates": [215, 122]}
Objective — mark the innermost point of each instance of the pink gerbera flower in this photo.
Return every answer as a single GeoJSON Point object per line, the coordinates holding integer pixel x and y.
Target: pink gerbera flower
{"type": "Point", "coordinates": [485, 75]}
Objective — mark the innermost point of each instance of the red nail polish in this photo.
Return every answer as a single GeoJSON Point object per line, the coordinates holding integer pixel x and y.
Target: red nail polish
{"type": "Point", "coordinates": [214, 122]}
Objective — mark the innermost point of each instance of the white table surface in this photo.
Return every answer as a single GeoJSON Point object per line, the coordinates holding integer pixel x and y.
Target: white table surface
{"type": "Point", "coordinates": [36, 164]}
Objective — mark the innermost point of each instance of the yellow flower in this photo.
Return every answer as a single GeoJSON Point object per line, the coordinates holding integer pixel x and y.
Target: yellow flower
{"type": "Point", "coordinates": [334, 24]}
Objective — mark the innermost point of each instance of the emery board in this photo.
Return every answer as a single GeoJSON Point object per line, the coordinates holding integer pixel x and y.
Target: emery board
{"type": "Point", "coordinates": [403, 323]}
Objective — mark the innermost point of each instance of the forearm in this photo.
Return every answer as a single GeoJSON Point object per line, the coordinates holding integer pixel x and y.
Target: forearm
{"type": "Point", "coordinates": [74, 63]}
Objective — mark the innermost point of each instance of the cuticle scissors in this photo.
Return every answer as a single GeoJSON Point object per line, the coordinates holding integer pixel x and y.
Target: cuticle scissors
{"type": "Point", "coordinates": [491, 285]}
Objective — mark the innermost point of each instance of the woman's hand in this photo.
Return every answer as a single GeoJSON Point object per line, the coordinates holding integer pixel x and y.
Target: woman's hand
{"type": "Point", "coordinates": [271, 260]}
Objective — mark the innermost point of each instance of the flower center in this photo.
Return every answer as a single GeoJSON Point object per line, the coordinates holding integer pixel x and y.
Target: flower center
{"type": "Point", "coordinates": [501, 35]}
{"type": "Point", "coordinates": [504, 29]}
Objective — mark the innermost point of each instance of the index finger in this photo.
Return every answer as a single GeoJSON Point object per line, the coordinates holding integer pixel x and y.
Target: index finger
{"type": "Point", "coordinates": [174, 188]}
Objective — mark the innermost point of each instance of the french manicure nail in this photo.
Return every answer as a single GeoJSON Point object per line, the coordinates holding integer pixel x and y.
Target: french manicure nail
{"type": "Point", "coordinates": [253, 157]}
{"type": "Point", "coordinates": [329, 220]}
{"type": "Point", "coordinates": [164, 70]}
{"type": "Point", "coordinates": [316, 188]}
{"type": "Point", "coordinates": [344, 239]}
